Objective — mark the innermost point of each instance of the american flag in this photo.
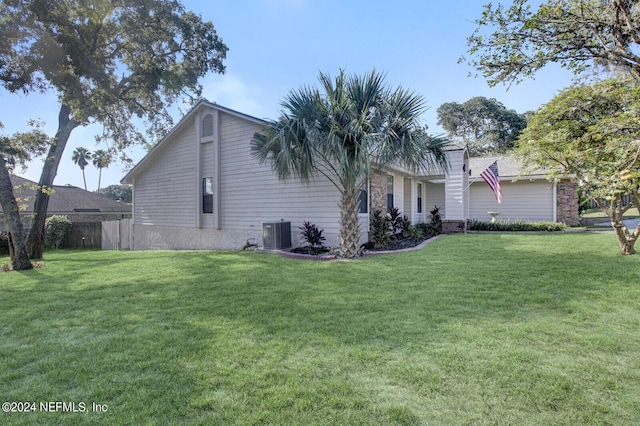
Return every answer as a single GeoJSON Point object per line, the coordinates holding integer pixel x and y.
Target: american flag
{"type": "Point", "coordinates": [490, 175]}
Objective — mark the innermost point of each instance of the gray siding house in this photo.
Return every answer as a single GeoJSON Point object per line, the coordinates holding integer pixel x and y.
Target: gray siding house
{"type": "Point", "coordinates": [527, 197]}
{"type": "Point", "coordinates": [200, 188]}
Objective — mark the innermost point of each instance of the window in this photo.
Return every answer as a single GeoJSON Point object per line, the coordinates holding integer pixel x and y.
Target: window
{"type": "Point", "coordinates": [363, 201]}
{"type": "Point", "coordinates": [419, 198]}
{"type": "Point", "coordinates": [207, 126]}
{"type": "Point", "coordinates": [207, 195]}
{"type": "Point", "coordinates": [389, 193]}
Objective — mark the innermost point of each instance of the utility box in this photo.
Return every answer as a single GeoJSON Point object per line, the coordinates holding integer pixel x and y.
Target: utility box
{"type": "Point", "coordinates": [276, 235]}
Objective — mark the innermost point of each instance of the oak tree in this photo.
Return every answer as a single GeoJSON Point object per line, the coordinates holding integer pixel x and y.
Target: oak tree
{"type": "Point", "coordinates": [591, 133]}
{"type": "Point", "coordinates": [122, 193]}
{"type": "Point", "coordinates": [17, 150]}
{"type": "Point", "coordinates": [486, 125]}
{"type": "Point", "coordinates": [514, 42]}
{"type": "Point", "coordinates": [110, 62]}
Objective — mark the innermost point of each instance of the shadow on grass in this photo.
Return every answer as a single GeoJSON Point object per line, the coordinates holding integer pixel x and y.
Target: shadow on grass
{"type": "Point", "coordinates": [230, 330]}
{"type": "Point", "coordinates": [391, 299]}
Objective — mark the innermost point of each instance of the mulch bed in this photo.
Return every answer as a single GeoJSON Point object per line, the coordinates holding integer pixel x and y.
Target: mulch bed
{"type": "Point", "coordinates": [398, 244]}
{"type": "Point", "coordinates": [325, 254]}
{"type": "Point", "coordinates": [309, 251]}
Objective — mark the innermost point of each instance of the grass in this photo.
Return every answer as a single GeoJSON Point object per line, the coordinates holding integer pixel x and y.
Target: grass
{"type": "Point", "coordinates": [597, 213]}
{"type": "Point", "coordinates": [472, 329]}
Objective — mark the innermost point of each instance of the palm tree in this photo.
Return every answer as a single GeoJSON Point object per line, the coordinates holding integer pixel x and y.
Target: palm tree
{"type": "Point", "coordinates": [81, 157]}
{"type": "Point", "coordinates": [355, 124]}
{"type": "Point", "coordinates": [101, 159]}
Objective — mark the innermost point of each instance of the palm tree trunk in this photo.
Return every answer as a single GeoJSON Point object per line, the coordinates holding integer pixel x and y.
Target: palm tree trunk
{"type": "Point", "coordinates": [99, 178]}
{"type": "Point", "coordinates": [84, 177]}
{"type": "Point", "coordinates": [35, 237]}
{"type": "Point", "coordinates": [17, 246]}
{"type": "Point", "coordinates": [349, 223]}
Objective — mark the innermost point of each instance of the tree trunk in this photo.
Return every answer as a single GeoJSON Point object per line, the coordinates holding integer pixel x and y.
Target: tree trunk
{"type": "Point", "coordinates": [615, 210]}
{"type": "Point", "coordinates": [84, 178]}
{"type": "Point", "coordinates": [627, 241]}
{"type": "Point", "coordinates": [349, 223]}
{"type": "Point", "coordinates": [17, 246]}
{"type": "Point", "coordinates": [35, 237]}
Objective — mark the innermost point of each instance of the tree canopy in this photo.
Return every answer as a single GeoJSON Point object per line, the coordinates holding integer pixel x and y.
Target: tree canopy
{"type": "Point", "coordinates": [514, 42]}
{"type": "Point", "coordinates": [101, 160]}
{"type": "Point", "coordinates": [592, 134]}
{"type": "Point", "coordinates": [122, 193]}
{"type": "Point", "coordinates": [486, 125]}
{"type": "Point", "coordinates": [81, 157]}
{"type": "Point", "coordinates": [108, 61]}
{"type": "Point", "coordinates": [342, 131]}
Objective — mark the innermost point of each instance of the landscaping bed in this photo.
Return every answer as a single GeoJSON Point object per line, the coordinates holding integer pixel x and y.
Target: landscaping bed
{"type": "Point", "coordinates": [391, 232]}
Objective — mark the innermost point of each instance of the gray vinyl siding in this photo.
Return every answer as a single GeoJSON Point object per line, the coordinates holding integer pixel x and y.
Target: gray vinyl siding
{"type": "Point", "coordinates": [433, 197]}
{"type": "Point", "coordinates": [165, 192]}
{"type": "Point", "coordinates": [521, 200]}
{"type": "Point", "coordinates": [168, 200]}
{"type": "Point", "coordinates": [252, 194]}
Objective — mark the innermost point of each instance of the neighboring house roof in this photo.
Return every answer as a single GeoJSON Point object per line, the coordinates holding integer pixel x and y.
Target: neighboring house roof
{"type": "Point", "coordinates": [66, 199]}
{"type": "Point", "coordinates": [186, 120]}
{"type": "Point", "coordinates": [509, 167]}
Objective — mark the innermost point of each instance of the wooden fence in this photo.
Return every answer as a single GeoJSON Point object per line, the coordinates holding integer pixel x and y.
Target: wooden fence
{"type": "Point", "coordinates": [116, 235]}
{"type": "Point", "coordinates": [84, 235]}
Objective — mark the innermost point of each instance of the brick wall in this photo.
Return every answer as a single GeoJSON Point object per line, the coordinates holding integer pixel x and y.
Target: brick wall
{"type": "Point", "coordinates": [567, 202]}
{"type": "Point", "coordinates": [378, 192]}
{"type": "Point", "coordinates": [454, 226]}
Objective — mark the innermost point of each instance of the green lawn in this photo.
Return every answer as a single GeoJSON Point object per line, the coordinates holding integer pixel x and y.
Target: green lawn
{"type": "Point", "coordinates": [473, 329]}
{"type": "Point", "coordinates": [596, 213]}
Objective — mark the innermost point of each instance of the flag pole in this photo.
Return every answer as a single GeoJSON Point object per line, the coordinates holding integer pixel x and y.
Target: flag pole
{"type": "Point", "coordinates": [471, 182]}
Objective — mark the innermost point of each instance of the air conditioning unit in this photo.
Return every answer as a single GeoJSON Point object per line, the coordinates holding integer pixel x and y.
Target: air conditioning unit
{"type": "Point", "coordinates": [276, 235]}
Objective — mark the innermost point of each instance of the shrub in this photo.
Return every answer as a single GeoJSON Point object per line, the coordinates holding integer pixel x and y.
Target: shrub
{"type": "Point", "coordinates": [414, 232]}
{"type": "Point", "coordinates": [56, 228]}
{"type": "Point", "coordinates": [516, 226]}
{"type": "Point", "coordinates": [381, 229]}
{"type": "Point", "coordinates": [397, 221]}
{"type": "Point", "coordinates": [427, 229]}
{"type": "Point", "coordinates": [407, 230]}
{"type": "Point", "coordinates": [313, 236]}
{"type": "Point", "coordinates": [436, 220]}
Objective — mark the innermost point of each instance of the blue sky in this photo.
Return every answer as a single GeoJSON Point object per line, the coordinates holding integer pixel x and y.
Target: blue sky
{"type": "Point", "coordinates": [279, 45]}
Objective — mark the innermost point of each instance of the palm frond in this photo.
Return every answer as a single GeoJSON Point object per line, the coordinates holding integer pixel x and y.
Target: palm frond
{"type": "Point", "coordinates": [344, 127]}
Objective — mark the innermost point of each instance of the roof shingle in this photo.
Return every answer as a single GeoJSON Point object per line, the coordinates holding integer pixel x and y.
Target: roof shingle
{"type": "Point", "coordinates": [67, 199]}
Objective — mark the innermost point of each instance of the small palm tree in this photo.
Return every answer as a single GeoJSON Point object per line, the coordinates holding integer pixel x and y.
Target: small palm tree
{"type": "Point", "coordinates": [81, 157]}
{"type": "Point", "coordinates": [354, 124]}
{"type": "Point", "coordinates": [101, 159]}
